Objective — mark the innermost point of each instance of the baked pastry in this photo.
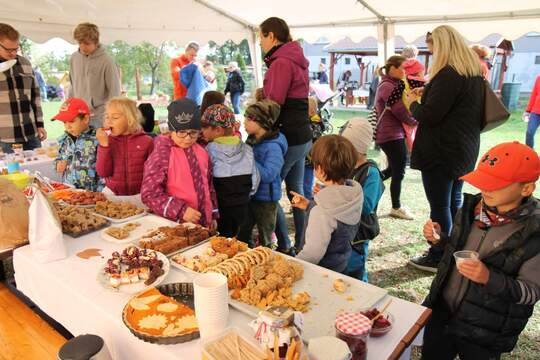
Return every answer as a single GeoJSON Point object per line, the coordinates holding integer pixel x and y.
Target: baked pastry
{"type": "Point", "coordinates": [122, 232]}
{"type": "Point", "coordinates": [77, 221]}
{"type": "Point", "coordinates": [152, 313]}
{"type": "Point", "coordinates": [117, 210]}
{"type": "Point", "coordinates": [168, 239]}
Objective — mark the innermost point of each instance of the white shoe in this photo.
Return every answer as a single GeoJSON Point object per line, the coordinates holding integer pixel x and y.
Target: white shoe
{"type": "Point", "coordinates": [401, 213]}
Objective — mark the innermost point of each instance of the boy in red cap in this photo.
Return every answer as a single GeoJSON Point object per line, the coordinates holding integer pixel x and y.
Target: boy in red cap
{"type": "Point", "coordinates": [76, 159]}
{"type": "Point", "coordinates": [481, 305]}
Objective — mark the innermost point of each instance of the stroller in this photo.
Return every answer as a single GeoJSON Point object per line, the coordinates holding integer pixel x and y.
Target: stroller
{"type": "Point", "coordinates": [321, 125]}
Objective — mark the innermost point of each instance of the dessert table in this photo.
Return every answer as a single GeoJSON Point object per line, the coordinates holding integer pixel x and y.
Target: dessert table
{"type": "Point", "coordinates": [68, 291]}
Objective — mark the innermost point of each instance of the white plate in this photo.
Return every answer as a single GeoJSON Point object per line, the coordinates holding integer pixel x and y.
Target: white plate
{"type": "Point", "coordinates": [190, 252]}
{"type": "Point", "coordinates": [124, 220]}
{"type": "Point", "coordinates": [6, 65]}
{"type": "Point", "coordinates": [325, 302]}
{"type": "Point", "coordinates": [136, 288]}
{"type": "Point", "coordinates": [148, 223]}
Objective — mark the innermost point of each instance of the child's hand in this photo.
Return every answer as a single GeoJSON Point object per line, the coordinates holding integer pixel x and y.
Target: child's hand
{"type": "Point", "coordinates": [102, 137]}
{"type": "Point", "coordinates": [61, 166]}
{"type": "Point", "coordinates": [474, 270]}
{"type": "Point", "coordinates": [298, 201]}
{"type": "Point", "coordinates": [316, 188]}
{"type": "Point", "coordinates": [191, 215]}
{"type": "Point", "coordinates": [418, 91]}
{"type": "Point", "coordinates": [432, 232]}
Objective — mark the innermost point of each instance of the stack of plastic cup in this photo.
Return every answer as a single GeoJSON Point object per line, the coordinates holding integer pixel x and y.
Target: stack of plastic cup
{"type": "Point", "coordinates": [211, 303]}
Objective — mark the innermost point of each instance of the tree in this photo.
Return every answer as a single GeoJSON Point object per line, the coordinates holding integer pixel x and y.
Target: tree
{"type": "Point", "coordinates": [152, 57]}
{"type": "Point", "coordinates": [27, 46]}
{"type": "Point", "coordinates": [241, 62]}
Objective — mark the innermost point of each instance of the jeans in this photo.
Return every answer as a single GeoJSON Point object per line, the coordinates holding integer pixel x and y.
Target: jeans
{"type": "Point", "coordinates": [309, 179]}
{"type": "Point", "coordinates": [235, 99]}
{"type": "Point", "coordinates": [293, 174]}
{"type": "Point", "coordinates": [445, 198]}
{"type": "Point", "coordinates": [31, 144]}
{"type": "Point", "coordinates": [534, 122]}
{"type": "Point", "coordinates": [440, 345]}
{"type": "Point", "coordinates": [396, 152]}
{"type": "Point", "coordinates": [356, 267]}
{"type": "Point", "coordinates": [263, 214]}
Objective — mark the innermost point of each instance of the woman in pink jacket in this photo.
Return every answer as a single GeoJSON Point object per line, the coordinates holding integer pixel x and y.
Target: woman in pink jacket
{"type": "Point", "coordinates": [123, 148]}
{"type": "Point", "coordinates": [177, 180]}
{"type": "Point", "coordinates": [287, 83]}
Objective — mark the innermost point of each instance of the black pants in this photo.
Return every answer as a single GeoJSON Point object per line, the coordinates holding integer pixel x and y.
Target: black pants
{"type": "Point", "coordinates": [230, 219]}
{"type": "Point", "coordinates": [396, 152]}
{"type": "Point", "coordinates": [263, 214]}
{"type": "Point", "coordinates": [439, 345]}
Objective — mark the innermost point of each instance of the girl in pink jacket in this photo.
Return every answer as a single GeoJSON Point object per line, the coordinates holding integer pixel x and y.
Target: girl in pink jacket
{"type": "Point", "coordinates": [123, 148]}
{"type": "Point", "coordinates": [177, 181]}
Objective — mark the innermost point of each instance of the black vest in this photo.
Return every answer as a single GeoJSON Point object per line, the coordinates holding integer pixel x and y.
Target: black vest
{"type": "Point", "coordinates": [482, 318]}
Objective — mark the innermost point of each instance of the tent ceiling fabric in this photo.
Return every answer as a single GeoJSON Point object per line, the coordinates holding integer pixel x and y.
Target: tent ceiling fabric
{"type": "Point", "coordinates": [219, 20]}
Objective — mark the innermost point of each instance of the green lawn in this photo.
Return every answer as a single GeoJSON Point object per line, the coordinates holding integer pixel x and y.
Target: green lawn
{"type": "Point", "coordinates": [401, 240]}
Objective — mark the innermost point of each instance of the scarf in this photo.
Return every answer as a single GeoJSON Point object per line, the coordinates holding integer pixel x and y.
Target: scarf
{"type": "Point", "coordinates": [397, 93]}
{"type": "Point", "coordinates": [198, 184]}
{"type": "Point", "coordinates": [488, 216]}
{"type": "Point", "coordinates": [269, 54]}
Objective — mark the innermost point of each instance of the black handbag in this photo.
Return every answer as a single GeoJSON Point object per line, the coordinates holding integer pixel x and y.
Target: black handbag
{"type": "Point", "coordinates": [495, 113]}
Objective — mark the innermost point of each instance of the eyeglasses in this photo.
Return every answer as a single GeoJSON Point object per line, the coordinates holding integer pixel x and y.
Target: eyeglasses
{"type": "Point", "coordinates": [192, 133]}
{"type": "Point", "coordinates": [10, 50]}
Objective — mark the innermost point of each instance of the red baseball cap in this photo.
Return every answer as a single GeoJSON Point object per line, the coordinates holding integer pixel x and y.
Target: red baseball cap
{"type": "Point", "coordinates": [413, 68]}
{"type": "Point", "coordinates": [70, 109]}
{"type": "Point", "coordinates": [503, 165]}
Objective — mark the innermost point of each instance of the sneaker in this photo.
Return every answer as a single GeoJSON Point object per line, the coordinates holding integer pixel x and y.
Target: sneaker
{"type": "Point", "coordinates": [401, 213]}
{"type": "Point", "coordinates": [425, 262]}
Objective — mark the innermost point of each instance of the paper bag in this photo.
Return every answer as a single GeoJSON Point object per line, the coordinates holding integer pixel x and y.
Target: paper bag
{"type": "Point", "coordinates": [13, 216]}
{"type": "Point", "coordinates": [45, 230]}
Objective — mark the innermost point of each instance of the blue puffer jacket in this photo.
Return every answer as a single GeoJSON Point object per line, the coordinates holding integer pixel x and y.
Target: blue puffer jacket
{"type": "Point", "coordinates": [269, 155]}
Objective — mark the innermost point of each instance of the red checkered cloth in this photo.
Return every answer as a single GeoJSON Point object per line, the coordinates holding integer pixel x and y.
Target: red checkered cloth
{"type": "Point", "coordinates": [353, 323]}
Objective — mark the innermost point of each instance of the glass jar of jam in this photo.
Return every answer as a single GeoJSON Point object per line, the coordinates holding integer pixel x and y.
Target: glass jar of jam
{"type": "Point", "coordinates": [354, 328]}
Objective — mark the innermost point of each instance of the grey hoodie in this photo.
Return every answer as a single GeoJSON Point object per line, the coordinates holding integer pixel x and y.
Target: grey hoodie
{"type": "Point", "coordinates": [234, 171]}
{"type": "Point", "coordinates": [95, 79]}
{"type": "Point", "coordinates": [332, 222]}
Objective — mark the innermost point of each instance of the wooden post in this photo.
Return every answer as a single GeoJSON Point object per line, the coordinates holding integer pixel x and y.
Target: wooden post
{"type": "Point", "coordinates": [332, 63]}
{"type": "Point", "coordinates": [502, 70]}
{"type": "Point", "coordinates": [138, 83]}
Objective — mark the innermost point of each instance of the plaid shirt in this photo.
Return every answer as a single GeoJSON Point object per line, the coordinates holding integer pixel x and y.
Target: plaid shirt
{"type": "Point", "coordinates": [20, 103]}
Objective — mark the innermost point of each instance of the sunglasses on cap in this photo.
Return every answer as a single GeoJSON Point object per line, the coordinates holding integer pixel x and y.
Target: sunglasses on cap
{"type": "Point", "coordinates": [429, 37]}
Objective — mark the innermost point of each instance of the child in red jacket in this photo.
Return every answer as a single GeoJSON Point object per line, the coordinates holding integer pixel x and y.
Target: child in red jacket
{"type": "Point", "coordinates": [123, 148]}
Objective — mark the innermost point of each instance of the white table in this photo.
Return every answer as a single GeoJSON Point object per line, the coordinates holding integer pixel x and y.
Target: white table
{"type": "Point", "coordinates": [68, 291]}
{"type": "Point", "coordinates": [45, 165]}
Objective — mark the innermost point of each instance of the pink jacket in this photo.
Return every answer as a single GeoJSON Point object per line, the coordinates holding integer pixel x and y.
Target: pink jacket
{"type": "Point", "coordinates": [155, 190]}
{"type": "Point", "coordinates": [122, 162]}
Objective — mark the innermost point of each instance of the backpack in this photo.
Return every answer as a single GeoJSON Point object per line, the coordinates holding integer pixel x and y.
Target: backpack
{"type": "Point", "coordinates": [369, 224]}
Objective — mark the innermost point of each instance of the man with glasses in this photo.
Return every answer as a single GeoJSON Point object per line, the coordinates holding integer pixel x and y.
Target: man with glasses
{"type": "Point", "coordinates": [21, 118]}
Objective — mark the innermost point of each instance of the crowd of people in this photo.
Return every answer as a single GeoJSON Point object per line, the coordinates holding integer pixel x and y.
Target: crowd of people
{"type": "Point", "coordinates": [201, 170]}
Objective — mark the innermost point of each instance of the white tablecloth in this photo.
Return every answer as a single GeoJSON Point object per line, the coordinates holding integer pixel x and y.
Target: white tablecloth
{"type": "Point", "coordinates": [68, 291]}
{"type": "Point", "coordinates": [45, 165]}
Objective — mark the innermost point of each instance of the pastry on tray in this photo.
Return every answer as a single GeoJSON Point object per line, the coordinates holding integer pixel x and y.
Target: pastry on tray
{"type": "Point", "coordinates": [168, 239]}
{"type": "Point", "coordinates": [154, 314]}
{"type": "Point", "coordinates": [122, 232]}
{"type": "Point", "coordinates": [117, 210]}
{"type": "Point", "coordinates": [219, 250]}
{"type": "Point", "coordinates": [82, 198]}
{"type": "Point", "coordinates": [78, 221]}
{"type": "Point", "coordinates": [133, 265]}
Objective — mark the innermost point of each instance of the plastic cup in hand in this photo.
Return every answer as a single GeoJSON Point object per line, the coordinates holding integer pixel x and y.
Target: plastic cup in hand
{"type": "Point", "coordinates": [465, 255]}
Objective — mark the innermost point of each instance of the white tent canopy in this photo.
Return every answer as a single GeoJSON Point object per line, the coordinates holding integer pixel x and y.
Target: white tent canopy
{"type": "Point", "coordinates": [219, 20]}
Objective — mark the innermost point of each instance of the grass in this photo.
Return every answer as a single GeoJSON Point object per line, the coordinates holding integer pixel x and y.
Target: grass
{"type": "Point", "coordinates": [400, 240]}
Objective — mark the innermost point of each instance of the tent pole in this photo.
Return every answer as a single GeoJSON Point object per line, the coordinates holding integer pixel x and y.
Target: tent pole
{"type": "Point", "coordinates": [256, 56]}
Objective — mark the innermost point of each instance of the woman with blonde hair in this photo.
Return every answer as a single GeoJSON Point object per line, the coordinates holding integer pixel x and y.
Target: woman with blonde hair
{"type": "Point", "coordinates": [123, 148]}
{"type": "Point", "coordinates": [449, 123]}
